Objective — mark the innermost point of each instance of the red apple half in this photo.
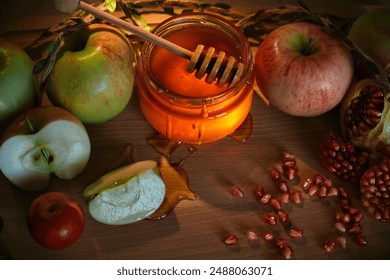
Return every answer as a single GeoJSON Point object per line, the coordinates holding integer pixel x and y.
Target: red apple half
{"type": "Point", "coordinates": [43, 141]}
{"type": "Point", "coordinates": [302, 70]}
{"type": "Point", "coordinates": [55, 220]}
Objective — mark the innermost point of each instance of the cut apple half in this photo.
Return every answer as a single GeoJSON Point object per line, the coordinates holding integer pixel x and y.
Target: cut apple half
{"type": "Point", "coordinates": [41, 142]}
{"type": "Point", "coordinates": [127, 194]}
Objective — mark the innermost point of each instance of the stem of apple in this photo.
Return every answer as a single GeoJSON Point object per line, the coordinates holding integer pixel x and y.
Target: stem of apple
{"type": "Point", "coordinates": [309, 48]}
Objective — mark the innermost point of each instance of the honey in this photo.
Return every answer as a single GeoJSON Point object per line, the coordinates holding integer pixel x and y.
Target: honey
{"type": "Point", "coordinates": [181, 106]}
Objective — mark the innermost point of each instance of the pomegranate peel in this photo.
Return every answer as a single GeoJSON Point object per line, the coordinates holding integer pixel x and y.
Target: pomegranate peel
{"type": "Point", "coordinates": [365, 117]}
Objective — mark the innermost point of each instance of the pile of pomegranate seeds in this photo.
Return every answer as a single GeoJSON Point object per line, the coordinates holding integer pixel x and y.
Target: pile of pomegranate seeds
{"type": "Point", "coordinates": [283, 173]}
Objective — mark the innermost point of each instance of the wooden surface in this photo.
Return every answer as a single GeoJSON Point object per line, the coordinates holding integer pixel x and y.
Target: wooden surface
{"type": "Point", "coordinates": [195, 229]}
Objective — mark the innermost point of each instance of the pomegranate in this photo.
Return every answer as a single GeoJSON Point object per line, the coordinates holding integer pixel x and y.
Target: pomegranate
{"type": "Point", "coordinates": [364, 117]}
{"type": "Point", "coordinates": [375, 190]}
{"type": "Point", "coordinates": [342, 158]}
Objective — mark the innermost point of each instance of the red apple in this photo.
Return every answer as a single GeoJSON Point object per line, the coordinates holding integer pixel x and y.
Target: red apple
{"type": "Point", "coordinates": [302, 70]}
{"type": "Point", "coordinates": [41, 142]}
{"type": "Point", "coordinates": [55, 220]}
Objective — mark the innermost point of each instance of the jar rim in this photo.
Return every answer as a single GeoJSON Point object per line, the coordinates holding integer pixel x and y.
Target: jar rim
{"type": "Point", "coordinates": [194, 18]}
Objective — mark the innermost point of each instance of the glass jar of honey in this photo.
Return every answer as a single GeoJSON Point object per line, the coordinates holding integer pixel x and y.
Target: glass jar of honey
{"type": "Point", "coordinates": [178, 104]}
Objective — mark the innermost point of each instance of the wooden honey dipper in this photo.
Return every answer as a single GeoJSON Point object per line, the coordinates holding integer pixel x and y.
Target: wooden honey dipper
{"type": "Point", "coordinates": [228, 70]}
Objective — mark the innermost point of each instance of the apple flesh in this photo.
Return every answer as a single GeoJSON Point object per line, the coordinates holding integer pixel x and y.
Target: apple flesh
{"type": "Point", "coordinates": [93, 76]}
{"type": "Point", "coordinates": [127, 194]}
{"type": "Point", "coordinates": [371, 32]}
{"type": "Point", "coordinates": [303, 71]}
{"type": "Point", "coordinates": [17, 82]}
{"type": "Point", "coordinates": [43, 141]}
{"type": "Point", "coordinates": [55, 220]}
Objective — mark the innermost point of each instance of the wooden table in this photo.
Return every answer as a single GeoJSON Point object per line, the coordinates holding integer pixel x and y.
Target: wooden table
{"type": "Point", "coordinates": [195, 229]}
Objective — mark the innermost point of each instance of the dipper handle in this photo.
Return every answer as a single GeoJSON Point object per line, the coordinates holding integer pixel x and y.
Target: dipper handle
{"type": "Point", "coordinates": [227, 70]}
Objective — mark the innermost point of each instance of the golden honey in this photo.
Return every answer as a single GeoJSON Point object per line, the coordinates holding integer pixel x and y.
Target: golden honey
{"type": "Point", "coordinates": [181, 106]}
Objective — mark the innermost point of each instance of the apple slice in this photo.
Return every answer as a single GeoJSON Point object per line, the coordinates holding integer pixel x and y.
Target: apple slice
{"type": "Point", "coordinates": [127, 194]}
{"type": "Point", "coordinates": [41, 142]}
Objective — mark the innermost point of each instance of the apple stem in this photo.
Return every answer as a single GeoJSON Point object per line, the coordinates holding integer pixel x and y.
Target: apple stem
{"type": "Point", "coordinates": [309, 48]}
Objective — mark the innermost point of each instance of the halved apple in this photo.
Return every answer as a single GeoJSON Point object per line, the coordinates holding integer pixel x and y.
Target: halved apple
{"type": "Point", "coordinates": [127, 194]}
{"type": "Point", "coordinates": [43, 141]}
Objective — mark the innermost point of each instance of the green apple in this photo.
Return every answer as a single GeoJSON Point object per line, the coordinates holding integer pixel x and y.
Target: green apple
{"type": "Point", "coordinates": [371, 32]}
{"type": "Point", "coordinates": [127, 194]}
{"type": "Point", "coordinates": [93, 76]}
{"type": "Point", "coordinates": [17, 82]}
{"type": "Point", "coordinates": [41, 142]}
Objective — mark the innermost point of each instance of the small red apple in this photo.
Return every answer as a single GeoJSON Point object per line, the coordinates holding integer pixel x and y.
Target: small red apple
{"type": "Point", "coordinates": [55, 220]}
{"type": "Point", "coordinates": [302, 70]}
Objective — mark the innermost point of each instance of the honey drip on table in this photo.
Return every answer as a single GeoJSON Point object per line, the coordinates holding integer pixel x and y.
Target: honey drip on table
{"type": "Point", "coordinates": [244, 131]}
{"type": "Point", "coordinates": [176, 187]}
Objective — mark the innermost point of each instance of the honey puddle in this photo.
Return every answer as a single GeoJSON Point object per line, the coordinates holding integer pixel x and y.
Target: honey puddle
{"type": "Point", "coordinates": [173, 174]}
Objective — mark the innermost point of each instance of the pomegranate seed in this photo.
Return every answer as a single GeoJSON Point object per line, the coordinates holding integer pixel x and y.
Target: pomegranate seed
{"type": "Point", "coordinates": [251, 235]}
{"type": "Point", "coordinates": [345, 204]}
{"type": "Point", "coordinates": [329, 245]}
{"type": "Point", "coordinates": [356, 228]}
{"type": "Point", "coordinates": [318, 180]}
{"type": "Point", "coordinates": [312, 191]}
{"type": "Point", "coordinates": [341, 241]}
{"type": "Point", "coordinates": [283, 216]}
{"type": "Point", "coordinates": [284, 198]}
{"type": "Point", "coordinates": [333, 191]}
{"type": "Point", "coordinates": [288, 156]}
{"type": "Point", "coordinates": [266, 198]}
{"type": "Point", "coordinates": [287, 252]}
{"type": "Point", "coordinates": [295, 233]}
{"type": "Point", "coordinates": [360, 240]}
{"type": "Point", "coordinates": [236, 191]}
{"type": "Point", "coordinates": [346, 218]}
{"type": "Point", "coordinates": [290, 174]}
{"type": "Point", "coordinates": [340, 227]}
{"type": "Point", "coordinates": [275, 174]}
{"type": "Point", "coordinates": [259, 191]}
{"type": "Point", "coordinates": [296, 197]}
{"type": "Point", "coordinates": [231, 240]}
{"type": "Point", "coordinates": [358, 217]}
{"type": "Point", "coordinates": [282, 186]}
{"type": "Point", "coordinates": [322, 191]}
{"type": "Point", "coordinates": [275, 204]}
{"type": "Point", "coordinates": [289, 164]}
{"type": "Point", "coordinates": [270, 219]}
{"type": "Point", "coordinates": [268, 236]}
{"type": "Point", "coordinates": [343, 192]}
{"type": "Point", "coordinates": [353, 210]}
{"type": "Point", "coordinates": [306, 184]}
{"type": "Point", "coordinates": [279, 243]}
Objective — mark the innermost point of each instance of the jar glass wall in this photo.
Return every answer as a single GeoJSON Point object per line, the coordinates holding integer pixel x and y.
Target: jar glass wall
{"type": "Point", "coordinates": [181, 106]}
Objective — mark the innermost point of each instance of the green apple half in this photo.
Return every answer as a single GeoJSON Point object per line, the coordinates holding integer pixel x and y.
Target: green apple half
{"type": "Point", "coordinates": [17, 82]}
{"type": "Point", "coordinates": [93, 76]}
{"type": "Point", "coordinates": [127, 194]}
{"type": "Point", "coordinates": [41, 142]}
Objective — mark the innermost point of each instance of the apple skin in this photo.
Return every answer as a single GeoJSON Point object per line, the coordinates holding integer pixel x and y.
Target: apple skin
{"type": "Point", "coordinates": [302, 71]}
{"type": "Point", "coordinates": [43, 141]}
{"type": "Point", "coordinates": [55, 220]}
{"type": "Point", "coordinates": [371, 33]}
{"type": "Point", "coordinates": [93, 76]}
{"type": "Point", "coordinates": [17, 82]}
